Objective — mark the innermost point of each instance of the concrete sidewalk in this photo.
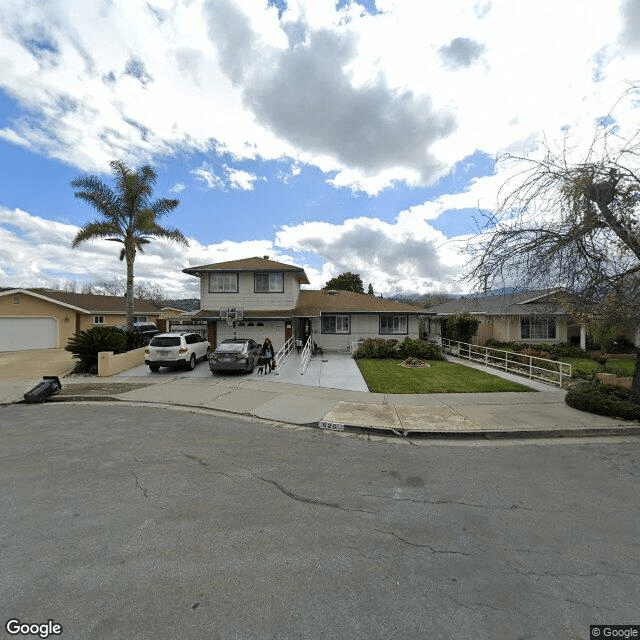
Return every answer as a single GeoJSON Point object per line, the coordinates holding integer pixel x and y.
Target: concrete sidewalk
{"type": "Point", "coordinates": [301, 400]}
{"type": "Point", "coordinates": [473, 414]}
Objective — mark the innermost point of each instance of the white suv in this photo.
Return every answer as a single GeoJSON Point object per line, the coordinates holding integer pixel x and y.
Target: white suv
{"type": "Point", "coordinates": [175, 350]}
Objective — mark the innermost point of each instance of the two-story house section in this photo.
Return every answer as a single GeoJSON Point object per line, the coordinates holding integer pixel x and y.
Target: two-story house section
{"type": "Point", "coordinates": [261, 292]}
{"type": "Point", "coordinates": [267, 301]}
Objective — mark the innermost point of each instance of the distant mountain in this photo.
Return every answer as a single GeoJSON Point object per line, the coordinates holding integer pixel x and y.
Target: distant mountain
{"type": "Point", "coordinates": [424, 300]}
{"type": "Point", "coordinates": [186, 304]}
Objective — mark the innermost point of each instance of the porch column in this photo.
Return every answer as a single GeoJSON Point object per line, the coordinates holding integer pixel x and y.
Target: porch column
{"type": "Point", "coordinates": [583, 337]}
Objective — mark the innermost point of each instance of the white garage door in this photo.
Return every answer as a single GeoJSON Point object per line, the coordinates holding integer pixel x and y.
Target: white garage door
{"type": "Point", "coordinates": [20, 334]}
{"type": "Point", "coordinates": [272, 329]}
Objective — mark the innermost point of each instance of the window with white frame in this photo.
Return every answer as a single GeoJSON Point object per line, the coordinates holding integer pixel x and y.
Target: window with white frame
{"type": "Point", "coordinates": [223, 283]}
{"type": "Point", "coordinates": [393, 324]}
{"type": "Point", "coordinates": [272, 282]}
{"type": "Point", "coordinates": [140, 319]}
{"type": "Point", "coordinates": [336, 324]}
{"type": "Point", "coordinates": [98, 319]}
{"type": "Point", "coordinates": [533, 328]}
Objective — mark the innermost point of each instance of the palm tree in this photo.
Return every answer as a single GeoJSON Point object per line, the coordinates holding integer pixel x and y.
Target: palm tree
{"type": "Point", "coordinates": [129, 215]}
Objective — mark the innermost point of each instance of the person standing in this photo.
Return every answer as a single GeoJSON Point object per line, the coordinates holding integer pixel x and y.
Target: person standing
{"type": "Point", "coordinates": [298, 344]}
{"type": "Point", "coordinates": [268, 354]}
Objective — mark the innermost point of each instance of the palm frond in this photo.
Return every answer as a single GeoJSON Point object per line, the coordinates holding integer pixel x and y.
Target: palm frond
{"type": "Point", "coordinates": [95, 230]}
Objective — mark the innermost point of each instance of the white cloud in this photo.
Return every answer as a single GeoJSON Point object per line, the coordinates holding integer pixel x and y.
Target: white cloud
{"type": "Point", "coordinates": [178, 187]}
{"type": "Point", "coordinates": [206, 175]}
{"type": "Point", "coordinates": [240, 179]}
{"type": "Point", "coordinates": [406, 256]}
{"type": "Point", "coordinates": [368, 99]}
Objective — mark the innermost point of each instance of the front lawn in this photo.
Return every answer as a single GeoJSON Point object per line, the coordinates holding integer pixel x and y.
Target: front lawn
{"type": "Point", "coordinates": [388, 376]}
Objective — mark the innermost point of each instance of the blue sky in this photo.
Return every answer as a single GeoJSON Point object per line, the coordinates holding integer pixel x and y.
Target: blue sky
{"type": "Point", "coordinates": [341, 136]}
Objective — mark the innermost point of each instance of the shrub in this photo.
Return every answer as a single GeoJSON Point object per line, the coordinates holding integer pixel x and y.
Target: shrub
{"type": "Point", "coordinates": [420, 349]}
{"type": "Point", "coordinates": [86, 345]}
{"type": "Point", "coordinates": [621, 345]}
{"type": "Point", "coordinates": [381, 349]}
{"type": "Point", "coordinates": [561, 349]}
{"type": "Point", "coordinates": [603, 400]}
{"type": "Point", "coordinates": [462, 327]}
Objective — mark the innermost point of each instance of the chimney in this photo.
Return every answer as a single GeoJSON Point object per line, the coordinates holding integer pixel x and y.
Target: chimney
{"type": "Point", "coordinates": [265, 257]}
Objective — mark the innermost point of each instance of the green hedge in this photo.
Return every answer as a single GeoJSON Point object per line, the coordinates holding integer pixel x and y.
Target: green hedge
{"type": "Point", "coordinates": [603, 400]}
{"type": "Point", "coordinates": [391, 349]}
{"type": "Point", "coordinates": [561, 349]}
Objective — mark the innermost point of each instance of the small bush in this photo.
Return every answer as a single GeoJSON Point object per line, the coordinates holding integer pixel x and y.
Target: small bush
{"type": "Point", "coordinates": [561, 349]}
{"type": "Point", "coordinates": [420, 349]}
{"type": "Point", "coordinates": [381, 349]}
{"type": "Point", "coordinates": [621, 345]}
{"type": "Point", "coordinates": [86, 345]}
{"type": "Point", "coordinates": [603, 400]}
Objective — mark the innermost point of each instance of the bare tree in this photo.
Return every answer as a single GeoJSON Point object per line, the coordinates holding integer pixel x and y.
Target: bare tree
{"type": "Point", "coordinates": [574, 225]}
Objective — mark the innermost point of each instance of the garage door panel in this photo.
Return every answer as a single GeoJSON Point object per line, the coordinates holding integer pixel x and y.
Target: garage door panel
{"type": "Point", "coordinates": [22, 334]}
{"type": "Point", "coordinates": [274, 330]}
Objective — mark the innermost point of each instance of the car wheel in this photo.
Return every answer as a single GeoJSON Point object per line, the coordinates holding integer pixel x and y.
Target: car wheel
{"type": "Point", "coordinates": [154, 368]}
{"type": "Point", "coordinates": [192, 362]}
{"type": "Point", "coordinates": [205, 357]}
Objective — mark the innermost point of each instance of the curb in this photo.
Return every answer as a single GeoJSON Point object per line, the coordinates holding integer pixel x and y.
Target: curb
{"type": "Point", "coordinates": [579, 432]}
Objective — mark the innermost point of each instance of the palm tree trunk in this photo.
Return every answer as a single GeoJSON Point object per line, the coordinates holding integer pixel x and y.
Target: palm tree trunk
{"type": "Point", "coordinates": [130, 256]}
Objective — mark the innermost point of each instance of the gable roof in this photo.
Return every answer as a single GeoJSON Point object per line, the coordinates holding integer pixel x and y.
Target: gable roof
{"type": "Point", "coordinates": [541, 302]}
{"type": "Point", "coordinates": [248, 264]}
{"type": "Point", "coordinates": [314, 302]}
{"type": "Point", "coordinates": [87, 303]}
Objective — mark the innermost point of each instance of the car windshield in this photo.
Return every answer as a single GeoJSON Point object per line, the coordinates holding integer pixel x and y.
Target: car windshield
{"type": "Point", "coordinates": [231, 347]}
{"type": "Point", "coordinates": [165, 341]}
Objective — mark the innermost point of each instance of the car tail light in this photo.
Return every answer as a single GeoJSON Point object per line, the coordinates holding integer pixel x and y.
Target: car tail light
{"type": "Point", "coordinates": [182, 350]}
{"type": "Point", "coordinates": [146, 351]}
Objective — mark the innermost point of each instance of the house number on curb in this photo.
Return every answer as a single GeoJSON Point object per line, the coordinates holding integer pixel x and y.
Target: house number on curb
{"type": "Point", "coordinates": [332, 426]}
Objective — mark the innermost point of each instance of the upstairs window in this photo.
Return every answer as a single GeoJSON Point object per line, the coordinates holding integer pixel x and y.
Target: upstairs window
{"type": "Point", "coordinates": [537, 328]}
{"type": "Point", "coordinates": [393, 324]}
{"type": "Point", "coordinates": [223, 283]}
{"type": "Point", "coordinates": [336, 324]}
{"type": "Point", "coordinates": [98, 319]}
{"type": "Point", "coordinates": [272, 282]}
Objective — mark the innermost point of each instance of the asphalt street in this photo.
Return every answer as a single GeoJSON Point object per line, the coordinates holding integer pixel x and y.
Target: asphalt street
{"type": "Point", "coordinates": [120, 521]}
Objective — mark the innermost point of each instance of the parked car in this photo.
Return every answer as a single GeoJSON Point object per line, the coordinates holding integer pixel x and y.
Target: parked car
{"type": "Point", "coordinates": [235, 354]}
{"type": "Point", "coordinates": [175, 350]}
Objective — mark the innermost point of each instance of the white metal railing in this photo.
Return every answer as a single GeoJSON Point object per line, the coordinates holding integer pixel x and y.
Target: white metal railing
{"type": "Point", "coordinates": [355, 345]}
{"type": "Point", "coordinates": [517, 363]}
{"type": "Point", "coordinates": [283, 354]}
{"type": "Point", "coordinates": [305, 356]}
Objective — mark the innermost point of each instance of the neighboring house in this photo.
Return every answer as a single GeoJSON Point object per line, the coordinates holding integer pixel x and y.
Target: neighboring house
{"type": "Point", "coordinates": [531, 316]}
{"type": "Point", "coordinates": [46, 319]}
{"type": "Point", "coordinates": [271, 303]}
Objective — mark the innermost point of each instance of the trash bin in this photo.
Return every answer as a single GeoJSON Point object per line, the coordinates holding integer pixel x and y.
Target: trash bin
{"type": "Point", "coordinates": [43, 390]}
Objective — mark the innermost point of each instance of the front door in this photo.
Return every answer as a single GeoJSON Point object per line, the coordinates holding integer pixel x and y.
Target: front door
{"type": "Point", "coordinates": [288, 330]}
{"type": "Point", "coordinates": [211, 334]}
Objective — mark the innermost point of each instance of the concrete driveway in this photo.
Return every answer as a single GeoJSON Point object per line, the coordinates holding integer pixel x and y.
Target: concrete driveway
{"type": "Point", "coordinates": [26, 365]}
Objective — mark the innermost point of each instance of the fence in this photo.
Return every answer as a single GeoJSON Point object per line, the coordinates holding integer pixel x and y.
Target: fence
{"type": "Point", "coordinates": [520, 364]}
{"type": "Point", "coordinates": [306, 355]}
{"type": "Point", "coordinates": [283, 354]}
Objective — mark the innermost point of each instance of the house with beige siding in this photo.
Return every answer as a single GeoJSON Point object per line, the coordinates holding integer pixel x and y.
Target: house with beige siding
{"type": "Point", "coordinates": [267, 300]}
{"type": "Point", "coordinates": [46, 319]}
{"type": "Point", "coordinates": [530, 316]}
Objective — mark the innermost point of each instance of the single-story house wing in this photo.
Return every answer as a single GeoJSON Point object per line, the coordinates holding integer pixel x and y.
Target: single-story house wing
{"type": "Point", "coordinates": [46, 319]}
{"type": "Point", "coordinates": [529, 316]}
